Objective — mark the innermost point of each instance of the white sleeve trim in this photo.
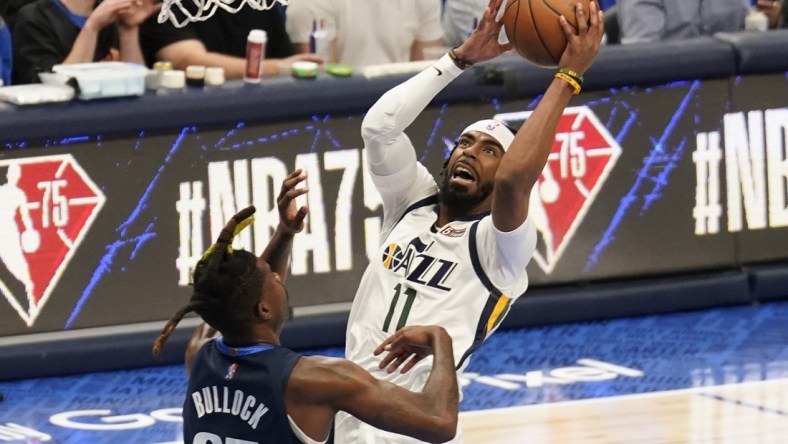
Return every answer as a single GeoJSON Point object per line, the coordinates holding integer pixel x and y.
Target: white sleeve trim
{"type": "Point", "coordinates": [301, 435]}
{"type": "Point", "coordinates": [504, 255]}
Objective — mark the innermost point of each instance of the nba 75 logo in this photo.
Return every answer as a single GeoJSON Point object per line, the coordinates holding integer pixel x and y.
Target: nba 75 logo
{"type": "Point", "coordinates": [583, 155]}
{"type": "Point", "coordinates": [47, 205]}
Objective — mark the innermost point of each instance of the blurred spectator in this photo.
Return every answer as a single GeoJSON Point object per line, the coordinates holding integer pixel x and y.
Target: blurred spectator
{"type": "Point", "coordinates": [784, 19]}
{"type": "Point", "coordinates": [368, 32]}
{"type": "Point", "coordinates": [50, 32]}
{"type": "Point", "coordinates": [612, 29]}
{"type": "Point", "coordinates": [459, 19]}
{"type": "Point", "coordinates": [606, 4]}
{"type": "Point", "coordinates": [775, 11]}
{"type": "Point", "coordinates": [9, 8]}
{"type": "Point", "coordinates": [654, 20]}
{"type": "Point", "coordinates": [5, 53]}
{"type": "Point", "coordinates": [219, 41]}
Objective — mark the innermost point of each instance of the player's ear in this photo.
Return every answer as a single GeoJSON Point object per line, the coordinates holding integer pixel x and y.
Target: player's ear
{"type": "Point", "coordinates": [263, 311]}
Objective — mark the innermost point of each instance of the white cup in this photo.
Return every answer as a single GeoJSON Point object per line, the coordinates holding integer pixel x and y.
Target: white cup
{"type": "Point", "coordinates": [756, 21]}
{"type": "Point", "coordinates": [173, 79]}
{"type": "Point", "coordinates": [214, 76]}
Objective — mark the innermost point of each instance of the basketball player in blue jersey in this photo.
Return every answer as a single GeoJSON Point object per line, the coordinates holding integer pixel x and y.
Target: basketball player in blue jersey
{"type": "Point", "coordinates": [453, 256]}
{"type": "Point", "coordinates": [245, 387]}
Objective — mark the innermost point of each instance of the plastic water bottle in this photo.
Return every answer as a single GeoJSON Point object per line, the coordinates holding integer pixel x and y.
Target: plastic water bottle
{"type": "Point", "coordinates": [319, 41]}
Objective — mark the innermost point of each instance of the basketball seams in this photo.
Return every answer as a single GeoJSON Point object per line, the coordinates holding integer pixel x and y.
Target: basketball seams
{"type": "Point", "coordinates": [535, 30]}
{"type": "Point", "coordinates": [558, 14]}
{"type": "Point", "coordinates": [516, 13]}
{"type": "Point", "coordinates": [538, 31]}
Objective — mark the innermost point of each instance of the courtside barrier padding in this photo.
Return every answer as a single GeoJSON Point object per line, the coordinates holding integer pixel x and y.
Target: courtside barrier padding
{"type": "Point", "coordinates": [104, 349]}
{"type": "Point", "coordinates": [768, 282]}
{"type": "Point", "coordinates": [759, 52]}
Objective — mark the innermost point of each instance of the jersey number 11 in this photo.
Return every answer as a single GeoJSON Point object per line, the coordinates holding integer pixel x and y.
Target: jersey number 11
{"type": "Point", "coordinates": [410, 296]}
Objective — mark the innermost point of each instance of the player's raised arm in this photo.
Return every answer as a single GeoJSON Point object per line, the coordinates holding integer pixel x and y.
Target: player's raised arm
{"type": "Point", "coordinates": [291, 221]}
{"type": "Point", "coordinates": [523, 163]}
{"type": "Point", "coordinates": [388, 149]}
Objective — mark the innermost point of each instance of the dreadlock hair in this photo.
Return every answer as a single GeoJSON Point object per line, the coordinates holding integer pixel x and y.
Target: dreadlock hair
{"type": "Point", "coordinates": [227, 286]}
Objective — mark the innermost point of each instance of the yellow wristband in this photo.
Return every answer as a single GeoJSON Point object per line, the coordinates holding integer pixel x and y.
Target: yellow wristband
{"type": "Point", "coordinates": [577, 76]}
{"type": "Point", "coordinates": [570, 80]}
{"type": "Point", "coordinates": [460, 62]}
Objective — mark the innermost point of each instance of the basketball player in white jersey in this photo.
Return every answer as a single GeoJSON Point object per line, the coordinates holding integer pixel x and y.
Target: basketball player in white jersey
{"type": "Point", "coordinates": [454, 256]}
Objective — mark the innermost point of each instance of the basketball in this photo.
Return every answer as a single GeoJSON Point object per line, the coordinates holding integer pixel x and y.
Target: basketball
{"type": "Point", "coordinates": [532, 27]}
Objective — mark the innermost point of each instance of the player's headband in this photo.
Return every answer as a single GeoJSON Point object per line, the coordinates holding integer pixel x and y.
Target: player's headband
{"type": "Point", "coordinates": [495, 129]}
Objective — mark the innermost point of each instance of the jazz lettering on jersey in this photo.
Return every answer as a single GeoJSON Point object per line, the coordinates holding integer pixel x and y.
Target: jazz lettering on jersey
{"type": "Point", "coordinates": [417, 266]}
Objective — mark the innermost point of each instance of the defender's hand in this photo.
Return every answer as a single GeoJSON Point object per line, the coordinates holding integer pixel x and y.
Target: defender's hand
{"type": "Point", "coordinates": [413, 342]}
{"type": "Point", "coordinates": [291, 219]}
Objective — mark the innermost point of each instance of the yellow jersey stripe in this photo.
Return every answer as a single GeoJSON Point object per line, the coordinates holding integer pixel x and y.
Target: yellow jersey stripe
{"type": "Point", "coordinates": [501, 307]}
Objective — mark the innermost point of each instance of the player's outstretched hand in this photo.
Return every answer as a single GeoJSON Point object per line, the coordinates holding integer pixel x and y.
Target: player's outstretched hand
{"type": "Point", "coordinates": [291, 218]}
{"type": "Point", "coordinates": [483, 43]}
{"type": "Point", "coordinates": [414, 342]}
{"type": "Point", "coordinates": [583, 45]}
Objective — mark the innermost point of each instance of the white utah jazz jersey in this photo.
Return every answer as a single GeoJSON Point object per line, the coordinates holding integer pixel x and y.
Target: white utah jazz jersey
{"type": "Point", "coordinates": [424, 275]}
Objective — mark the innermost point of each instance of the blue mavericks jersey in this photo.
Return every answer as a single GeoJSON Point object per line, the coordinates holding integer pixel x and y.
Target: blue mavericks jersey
{"type": "Point", "coordinates": [238, 394]}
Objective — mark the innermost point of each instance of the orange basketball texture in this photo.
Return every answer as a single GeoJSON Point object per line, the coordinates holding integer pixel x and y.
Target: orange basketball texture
{"type": "Point", "coordinates": [533, 28]}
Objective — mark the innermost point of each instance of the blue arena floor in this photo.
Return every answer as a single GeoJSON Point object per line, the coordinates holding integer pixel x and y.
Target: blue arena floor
{"type": "Point", "coordinates": [514, 368]}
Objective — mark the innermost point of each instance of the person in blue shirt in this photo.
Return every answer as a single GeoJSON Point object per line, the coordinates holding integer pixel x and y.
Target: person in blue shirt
{"type": "Point", "coordinates": [51, 32]}
{"type": "Point", "coordinates": [245, 387]}
{"type": "Point", "coordinates": [659, 20]}
{"type": "Point", "coordinates": [5, 54]}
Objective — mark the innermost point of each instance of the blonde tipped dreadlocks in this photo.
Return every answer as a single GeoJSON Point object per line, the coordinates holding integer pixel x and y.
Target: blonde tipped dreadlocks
{"type": "Point", "coordinates": [225, 283]}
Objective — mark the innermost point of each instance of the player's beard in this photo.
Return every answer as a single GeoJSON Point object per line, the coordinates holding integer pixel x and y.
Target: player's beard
{"type": "Point", "coordinates": [459, 199]}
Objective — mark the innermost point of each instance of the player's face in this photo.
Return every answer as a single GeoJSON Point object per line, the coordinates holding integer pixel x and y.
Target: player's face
{"type": "Point", "coordinates": [469, 175]}
{"type": "Point", "coordinates": [275, 294]}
